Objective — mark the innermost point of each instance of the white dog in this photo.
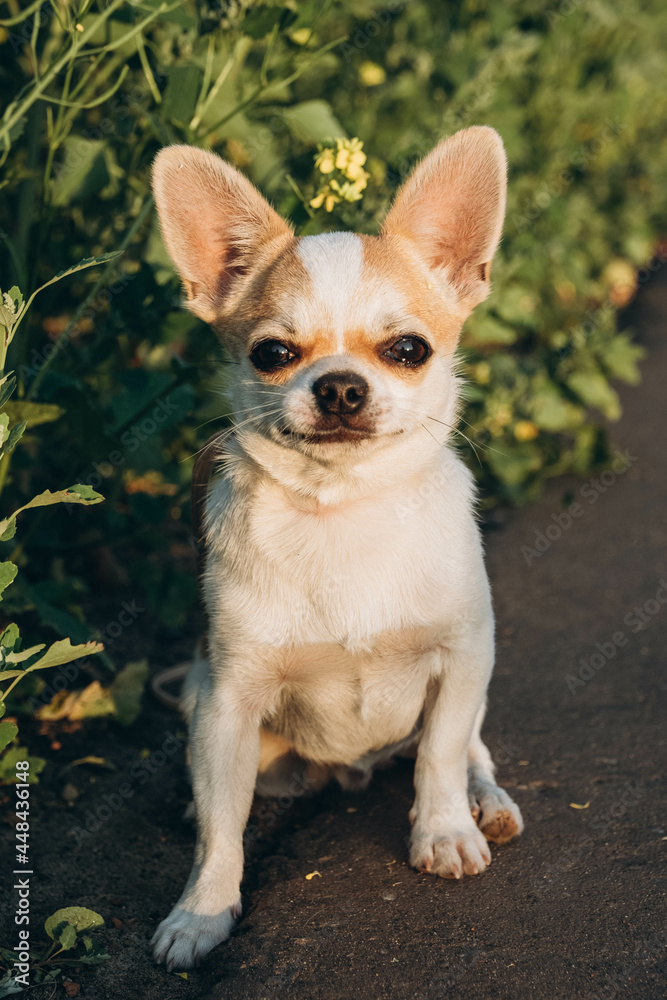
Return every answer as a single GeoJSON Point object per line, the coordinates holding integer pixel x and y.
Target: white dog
{"type": "Point", "coordinates": [349, 607]}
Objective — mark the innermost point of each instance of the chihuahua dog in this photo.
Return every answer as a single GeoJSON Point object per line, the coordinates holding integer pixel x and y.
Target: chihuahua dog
{"type": "Point", "coordinates": [349, 610]}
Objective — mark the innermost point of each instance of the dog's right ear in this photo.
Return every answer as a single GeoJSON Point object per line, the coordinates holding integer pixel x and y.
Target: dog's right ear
{"type": "Point", "coordinates": [452, 207]}
{"type": "Point", "coordinates": [214, 223]}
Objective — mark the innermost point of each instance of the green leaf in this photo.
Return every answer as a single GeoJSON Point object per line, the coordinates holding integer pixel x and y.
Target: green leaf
{"type": "Point", "coordinates": [7, 386]}
{"type": "Point", "coordinates": [10, 637]}
{"type": "Point", "coordinates": [183, 86]}
{"type": "Point", "coordinates": [80, 493]}
{"type": "Point", "coordinates": [67, 937]}
{"type": "Point", "coordinates": [11, 308]}
{"type": "Point", "coordinates": [77, 917]}
{"type": "Point", "coordinates": [127, 689]}
{"type": "Point", "coordinates": [86, 494]}
{"type": "Point", "coordinates": [15, 436]}
{"type": "Point", "coordinates": [94, 955]}
{"type": "Point", "coordinates": [593, 389]}
{"type": "Point", "coordinates": [63, 651]}
{"type": "Point", "coordinates": [58, 653]}
{"type": "Point", "coordinates": [25, 654]}
{"type": "Point", "coordinates": [551, 412]}
{"type": "Point", "coordinates": [16, 296]}
{"type": "Point", "coordinates": [7, 529]}
{"type": "Point", "coordinates": [8, 765]}
{"type": "Point", "coordinates": [313, 121]}
{"type": "Point", "coordinates": [8, 571]}
{"type": "Point", "coordinates": [33, 414]}
{"type": "Point", "coordinates": [7, 733]}
{"type": "Point", "coordinates": [86, 262]}
{"type": "Point", "coordinates": [82, 171]}
{"type": "Point", "coordinates": [620, 357]}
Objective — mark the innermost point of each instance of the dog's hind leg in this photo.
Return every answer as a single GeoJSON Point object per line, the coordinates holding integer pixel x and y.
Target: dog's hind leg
{"type": "Point", "coordinates": [497, 816]}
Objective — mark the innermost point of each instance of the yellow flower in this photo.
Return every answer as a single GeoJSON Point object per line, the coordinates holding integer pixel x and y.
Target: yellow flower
{"type": "Point", "coordinates": [325, 161]}
{"type": "Point", "coordinates": [326, 196]}
{"type": "Point", "coordinates": [347, 191]}
{"type": "Point", "coordinates": [371, 74]}
{"type": "Point", "coordinates": [355, 171]}
{"type": "Point", "coordinates": [482, 373]}
{"type": "Point", "coordinates": [525, 430]}
{"type": "Point", "coordinates": [620, 277]}
{"type": "Point", "coordinates": [318, 200]}
{"type": "Point", "coordinates": [301, 36]}
{"type": "Point", "coordinates": [350, 158]}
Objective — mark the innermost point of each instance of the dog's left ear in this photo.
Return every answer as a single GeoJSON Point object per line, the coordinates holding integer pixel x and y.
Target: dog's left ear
{"type": "Point", "coordinates": [452, 208]}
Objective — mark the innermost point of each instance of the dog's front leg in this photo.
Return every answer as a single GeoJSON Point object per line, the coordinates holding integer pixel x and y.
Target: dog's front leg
{"type": "Point", "coordinates": [224, 746]}
{"type": "Point", "coordinates": [445, 839]}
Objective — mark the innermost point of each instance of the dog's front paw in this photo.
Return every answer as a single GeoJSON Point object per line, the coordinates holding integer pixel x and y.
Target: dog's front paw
{"type": "Point", "coordinates": [451, 852]}
{"type": "Point", "coordinates": [499, 818]}
{"type": "Point", "coordinates": [184, 938]}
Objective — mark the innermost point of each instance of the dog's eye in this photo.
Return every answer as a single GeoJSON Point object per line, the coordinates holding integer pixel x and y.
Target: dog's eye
{"type": "Point", "coordinates": [409, 351]}
{"type": "Point", "coordinates": [270, 354]}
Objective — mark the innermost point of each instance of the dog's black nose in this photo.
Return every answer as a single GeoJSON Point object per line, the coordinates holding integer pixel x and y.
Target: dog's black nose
{"type": "Point", "coordinates": [340, 392]}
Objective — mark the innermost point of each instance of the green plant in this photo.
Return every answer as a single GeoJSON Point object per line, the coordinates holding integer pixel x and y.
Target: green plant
{"type": "Point", "coordinates": [70, 945]}
{"type": "Point", "coordinates": [15, 417]}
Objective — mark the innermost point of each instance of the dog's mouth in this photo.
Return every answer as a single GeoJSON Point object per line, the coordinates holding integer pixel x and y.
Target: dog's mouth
{"type": "Point", "coordinates": [337, 435]}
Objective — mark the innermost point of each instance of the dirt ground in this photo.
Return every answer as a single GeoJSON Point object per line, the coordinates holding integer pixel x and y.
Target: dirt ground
{"type": "Point", "coordinates": [573, 909]}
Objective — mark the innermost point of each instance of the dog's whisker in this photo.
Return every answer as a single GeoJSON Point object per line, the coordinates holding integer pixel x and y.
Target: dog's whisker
{"type": "Point", "coordinates": [457, 430]}
{"type": "Point", "coordinates": [439, 443]}
{"type": "Point", "coordinates": [229, 430]}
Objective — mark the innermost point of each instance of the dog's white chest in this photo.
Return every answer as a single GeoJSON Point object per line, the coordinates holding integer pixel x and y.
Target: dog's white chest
{"type": "Point", "coordinates": [288, 575]}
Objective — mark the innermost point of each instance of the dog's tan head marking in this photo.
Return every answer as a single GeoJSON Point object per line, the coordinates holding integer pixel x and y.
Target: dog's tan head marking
{"type": "Point", "coordinates": [342, 339]}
